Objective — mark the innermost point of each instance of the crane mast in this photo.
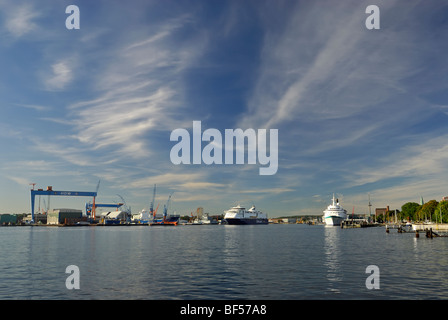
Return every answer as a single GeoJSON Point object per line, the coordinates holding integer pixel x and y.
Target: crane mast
{"type": "Point", "coordinates": [151, 206]}
{"type": "Point", "coordinates": [165, 209]}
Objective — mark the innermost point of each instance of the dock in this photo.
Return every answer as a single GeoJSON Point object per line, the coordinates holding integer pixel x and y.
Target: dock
{"type": "Point", "coordinates": [357, 223]}
{"type": "Point", "coordinates": [431, 230]}
{"type": "Point", "coordinates": [441, 227]}
{"type": "Point", "coordinates": [401, 227]}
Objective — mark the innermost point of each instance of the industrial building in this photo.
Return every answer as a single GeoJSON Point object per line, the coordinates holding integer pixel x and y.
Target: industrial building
{"type": "Point", "coordinates": [39, 218]}
{"type": "Point", "coordinates": [64, 216]}
{"type": "Point", "coordinates": [8, 219]}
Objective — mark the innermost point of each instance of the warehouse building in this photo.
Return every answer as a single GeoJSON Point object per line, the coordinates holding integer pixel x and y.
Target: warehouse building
{"type": "Point", "coordinates": [64, 216]}
{"type": "Point", "coordinates": [39, 218]}
{"type": "Point", "coordinates": [8, 219]}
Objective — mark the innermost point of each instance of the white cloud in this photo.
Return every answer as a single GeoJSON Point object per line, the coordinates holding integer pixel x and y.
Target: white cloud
{"type": "Point", "coordinates": [201, 185]}
{"type": "Point", "coordinates": [60, 150]}
{"type": "Point", "coordinates": [137, 91]}
{"type": "Point", "coordinates": [166, 179]}
{"type": "Point", "coordinates": [19, 20]}
{"type": "Point", "coordinates": [34, 107]}
{"type": "Point", "coordinates": [268, 190]}
{"type": "Point", "coordinates": [419, 162]}
{"type": "Point", "coordinates": [19, 180]}
{"type": "Point", "coordinates": [60, 76]}
{"type": "Point", "coordinates": [323, 66]}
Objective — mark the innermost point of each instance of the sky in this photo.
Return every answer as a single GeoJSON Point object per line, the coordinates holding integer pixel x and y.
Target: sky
{"type": "Point", "coordinates": [359, 112]}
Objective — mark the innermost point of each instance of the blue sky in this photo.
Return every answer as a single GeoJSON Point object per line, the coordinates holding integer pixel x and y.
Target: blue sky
{"type": "Point", "coordinates": [358, 111]}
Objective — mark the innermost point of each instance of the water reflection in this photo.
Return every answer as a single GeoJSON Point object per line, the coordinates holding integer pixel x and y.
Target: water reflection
{"type": "Point", "coordinates": [332, 258]}
{"type": "Point", "coordinates": [220, 262]}
{"type": "Point", "coordinates": [235, 250]}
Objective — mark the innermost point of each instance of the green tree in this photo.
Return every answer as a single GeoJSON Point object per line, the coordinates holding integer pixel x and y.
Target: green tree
{"type": "Point", "coordinates": [409, 210]}
{"type": "Point", "coordinates": [441, 209]}
{"type": "Point", "coordinates": [392, 214]}
{"type": "Point", "coordinates": [427, 210]}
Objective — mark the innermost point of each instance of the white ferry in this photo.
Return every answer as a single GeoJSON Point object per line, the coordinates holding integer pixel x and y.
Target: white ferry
{"type": "Point", "coordinates": [239, 215]}
{"type": "Point", "coordinates": [334, 214]}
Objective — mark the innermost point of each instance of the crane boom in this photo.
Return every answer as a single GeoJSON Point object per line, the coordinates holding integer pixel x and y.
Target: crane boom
{"type": "Point", "coordinates": [151, 206]}
{"type": "Point", "coordinates": [165, 209]}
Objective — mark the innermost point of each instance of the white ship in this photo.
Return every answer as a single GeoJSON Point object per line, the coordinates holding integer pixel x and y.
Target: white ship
{"type": "Point", "coordinates": [239, 215]}
{"type": "Point", "coordinates": [334, 214]}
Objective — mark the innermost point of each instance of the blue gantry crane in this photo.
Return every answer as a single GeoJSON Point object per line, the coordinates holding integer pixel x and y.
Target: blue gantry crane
{"type": "Point", "coordinates": [51, 192]}
{"type": "Point", "coordinates": [89, 206]}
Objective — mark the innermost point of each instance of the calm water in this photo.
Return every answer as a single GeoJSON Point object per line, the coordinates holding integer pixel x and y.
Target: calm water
{"type": "Point", "coordinates": [220, 262]}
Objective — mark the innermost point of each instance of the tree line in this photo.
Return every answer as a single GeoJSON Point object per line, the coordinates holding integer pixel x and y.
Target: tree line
{"type": "Point", "coordinates": [411, 211]}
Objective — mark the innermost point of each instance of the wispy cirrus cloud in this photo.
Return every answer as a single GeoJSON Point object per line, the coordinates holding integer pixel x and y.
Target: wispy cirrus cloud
{"type": "Point", "coordinates": [335, 72]}
{"type": "Point", "coordinates": [19, 19]}
{"type": "Point", "coordinates": [60, 76]}
{"type": "Point", "coordinates": [423, 161]}
{"type": "Point", "coordinates": [138, 90]}
{"type": "Point", "coordinates": [121, 122]}
{"type": "Point", "coordinates": [34, 107]}
{"type": "Point", "coordinates": [357, 111]}
{"type": "Point", "coordinates": [341, 95]}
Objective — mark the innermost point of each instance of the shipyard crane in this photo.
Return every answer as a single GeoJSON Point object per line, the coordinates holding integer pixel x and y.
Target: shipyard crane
{"type": "Point", "coordinates": [94, 206]}
{"type": "Point", "coordinates": [151, 206]}
{"type": "Point", "coordinates": [126, 209]}
{"type": "Point", "coordinates": [89, 206]}
{"type": "Point", "coordinates": [165, 221]}
{"type": "Point", "coordinates": [153, 212]}
{"type": "Point", "coordinates": [165, 208]}
{"type": "Point", "coordinates": [125, 206]}
{"type": "Point", "coordinates": [50, 192]}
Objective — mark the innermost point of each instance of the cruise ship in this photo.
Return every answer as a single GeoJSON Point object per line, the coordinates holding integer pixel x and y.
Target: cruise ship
{"type": "Point", "coordinates": [334, 214]}
{"type": "Point", "coordinates": [239, 215]}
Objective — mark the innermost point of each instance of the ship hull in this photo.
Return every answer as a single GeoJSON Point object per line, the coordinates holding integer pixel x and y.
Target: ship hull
{"type": "Point", "coordinates": [244, 221]}
{"type": "Point", "coordinates": [334, 214]}
{"type": "Point", "coordinates": [170, 221]}
{"type": "Point", "coordinates": [333, 221]}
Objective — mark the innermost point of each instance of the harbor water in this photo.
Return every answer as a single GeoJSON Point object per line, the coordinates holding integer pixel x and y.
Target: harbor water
{"type": "Point", "coordinates": [275, 262]}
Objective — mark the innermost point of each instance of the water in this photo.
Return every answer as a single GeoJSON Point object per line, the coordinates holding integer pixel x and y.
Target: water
{"type": "Point", "coordinates": [276, 262]}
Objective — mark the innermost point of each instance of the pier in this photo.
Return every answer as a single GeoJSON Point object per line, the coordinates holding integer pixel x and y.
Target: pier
{"type": "Point", "coordinates": [441, 227]}
{"type": "Point", "coordinates": [357, 223]}
{"type": "Point", "coordinates": [431, 230]}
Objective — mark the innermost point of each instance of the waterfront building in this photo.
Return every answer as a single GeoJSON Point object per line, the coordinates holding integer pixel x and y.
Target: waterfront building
{"type": "Point", "coordinates": [62, 216]}
{"type": "Point", "coordinates": [381, 211]}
